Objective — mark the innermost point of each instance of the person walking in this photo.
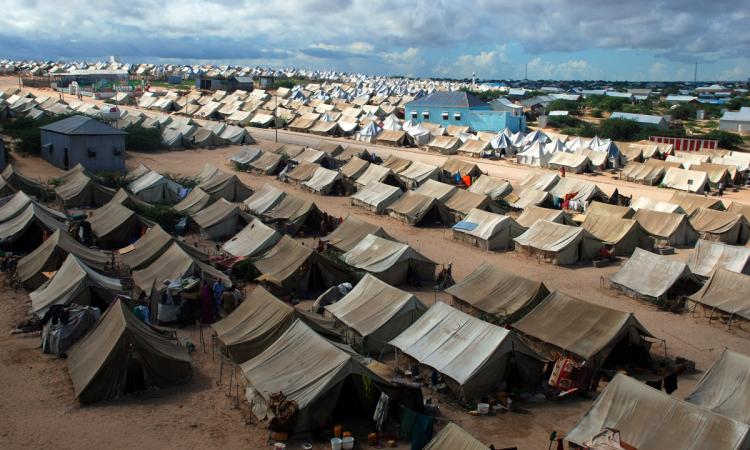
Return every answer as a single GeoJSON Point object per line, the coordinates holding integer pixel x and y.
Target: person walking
{"type": "Point", "coordinates": [218, 291]}
{"type": "Point", "coordinates": [207, 305]}
{"type": "Point", "coordinates": [721, 188]}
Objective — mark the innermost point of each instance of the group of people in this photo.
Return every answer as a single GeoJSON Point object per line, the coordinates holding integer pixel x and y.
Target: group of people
{"type": "Point", "coordinates": [217, 301]}
{"type": "Point", "coordinates": [329, 223]}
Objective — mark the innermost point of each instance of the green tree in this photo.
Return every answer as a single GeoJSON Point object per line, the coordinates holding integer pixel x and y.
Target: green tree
{"type": "Point", "coordinates": [143, 139]}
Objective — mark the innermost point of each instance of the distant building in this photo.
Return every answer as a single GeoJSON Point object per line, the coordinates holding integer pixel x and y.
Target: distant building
{"type": "Point", "coordinates": [646, 119]}
{"type": "Point", "coordinates": [590, 92]}
{"type": "Point", "coordinates": [626, 95]}
{"type": "Point", "coordinates": [681, 99]}
{"type": "Point", "coordinates": [736, 121]}
{"type": "Point", "coordinates": [80, 139]}
{"type": "Point", "coordinates": [503, 104]}
{"type": "Point", "coordinates": [224, 84]}
{"type": "Point", "coordinates": [640, 92]}
{"type": "Point", "coordinates": [569, 97]}
{"type": "Point", "coordinates": [462, 108]}
{"type": "Point", "coordinates": [89, 77]}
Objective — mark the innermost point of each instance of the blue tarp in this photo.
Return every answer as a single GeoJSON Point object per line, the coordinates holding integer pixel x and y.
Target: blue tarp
{"type": "Point", "coordinates": [465, 226]}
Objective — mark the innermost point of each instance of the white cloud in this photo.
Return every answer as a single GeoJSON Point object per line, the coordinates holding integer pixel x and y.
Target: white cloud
{"type": "Point", "coordinates": [572, 69]}
{"type": "Point", "coordinates": [657, 71]}
{"type": "Point", "coordinates": [486, 64]}
{"type": "Point", "coordinates": [407, 61]}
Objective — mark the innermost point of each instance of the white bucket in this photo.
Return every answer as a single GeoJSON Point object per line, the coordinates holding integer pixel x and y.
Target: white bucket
{"type": "Point", "coordinates": [347, 443]}
{"type": "Point", "coordinates": [483, 408]}
{"type": "Point", "coordinates": [336, 444]}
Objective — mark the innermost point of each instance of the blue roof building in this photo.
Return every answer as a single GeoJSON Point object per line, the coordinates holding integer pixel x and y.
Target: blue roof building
{"type": "Point", "coordinates": [86, 141]}
{"type": "Point", "coordinates": [462, 108]}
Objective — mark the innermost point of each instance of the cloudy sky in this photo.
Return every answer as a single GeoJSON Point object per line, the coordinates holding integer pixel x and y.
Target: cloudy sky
{"type": "Point", "coordinates": [556, 39]}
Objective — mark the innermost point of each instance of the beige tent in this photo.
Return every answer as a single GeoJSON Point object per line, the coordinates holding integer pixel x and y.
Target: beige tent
{"type": "Point", "coordinates": [717, 173]}
{"type": "Point", "coordinates": [393, 262]}
{"type": "Point", "coordinates": [264, 199]}
{"type": "Point", "coordinates": [454, 165]}
{"type": "Point", "coordinates": [195, 201]}
{"type": "Point", "coordinates": [725, 291]}
{"type": "Point", "coordinates": [643, 173]}
{"type": "Point", "coordinates": [350, 232]}
{"type": "Point", "coordinates": [154, 187]}
{"type": "Point", "coordinates": [220, 220]}
{"type": "Point", "coordinates": [19, 182]}
{"type": "Point", "coordinates": [557, 243]}
{"type": "Point", "coordinates": [223, 185]}
{"type": "Point", "coordinates": [174, 263]}
{"type": "Point", "coordinates": [74, 282]}
{"type": "Point", "coordinates": [437, 190]}
{"type": "Point", "coordinates": [472, 355]}
{"type": "Point", "coordinates": [654, 277]}
{"type": "Point", "coordinates": [115, 226]}
{"type": "Point", "coordinates": [487, 230]}
{"type": "Point", "coordinates": [246, 155]}
{"type": "Point", "coordinates": [685, 180]}
{"type": "Point", "coordinates": [302, 172]}
{"type": "Point", "coordinates": [252, 241]}
{"type": "Point", "coordinates": [740, 208]}
{"type": "Point", "coordinates": [396, 164]}
{"type": "Point", "coordinates": [100, 364]}
{"type": "Point", "coordinates": [50, 255]}
{"type": "Point", "coordinates": [324, 182]}
{"type": "Point", "coordinates": [376, 196]}
{"type": "Point", "coordinates": [292, 214]}
{"type": "Point", "coordinates": [605, 209]}
{"type": "Point", "coordinates": [527, 198]}
{"type": "Point", "coordinates": [690, 203]}
{"type": "Point", "coordinates": [495, 295]}
{"type": "Point", "coordinates": [474, 148]}
{"type": "Point", "coordinates": [493, 187]}
{"type": "Point", "coordinates": [725, 387]}
{"type": "Point", "coordinates": [585, 331]}
{"type": "Point", "coordinates": [292, 268]}
{"type": "Point", "coordinates": [415, 209]}
{"type": "Point", "coordinates": [446, 145]}
{"type": "Point", "coordinates": [376, 173]}
{"type": "Point", "coordinates": [709, 256]}
{"type": "Point", "coordinates": [720, 226]}
{"type": "Point", "coordinates": [266, 164]}
{"type": "Point", "coordinates": [314, 372]}
{"type": "Point", "coordinates": [453, 437]}
{"type": "Point", "coordinates": [540, 181]}
{"type": "Point", "coordinates": [532, 214]}
{"type": "Point", "coordinates": [254, 325]}
{"type": "Point", "coordinates": [655, 205]}
{"type": "Point", "coordinates": [395, 138]}
{"type": "Point", "coordinates": [332, 149]}
{"type": "Point", "coordinates": [79, 190]}
{"type": "Point", "coordinates": [417, 174]}
{"type": "Point", "coordinates": [354, 168]}
{"type": "Point", "coordinates": [648, 419]}
{"type": "Point", "coordinates": [666, 228]}
{"type": "Point", "coordinates": [151, 245]}
{"type": "Point", "coordinates": [582, 191]}
{"type": "Point", "coordinates": [572, 162]}
{"type": "Point", "coordinates": [374, 312]}
{"type": "Point", "coordinates": [28, 224]}
{"type": "Point", "coordinates": [462, 202]}
{"type": "Point", "coordinates": [623, 235]}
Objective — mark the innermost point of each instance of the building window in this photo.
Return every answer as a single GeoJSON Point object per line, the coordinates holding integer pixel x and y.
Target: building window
{"type": "Point", "coordinates": [92, 153]}
{"type": "Point", "coordinates": [457, 116]}
{"type": "Point", "coordinates": [116, 151]}
{"type": "Point", "coordinates": [414, 115]}
{"type": "Point", "coordinates": [426, 115]}
{"type": "Point", "coordinates": [445, 115]}
{"type": "Point", "coordinates": [49, 148]}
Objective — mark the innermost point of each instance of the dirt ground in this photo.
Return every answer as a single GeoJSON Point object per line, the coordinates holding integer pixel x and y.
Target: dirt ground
{"type": "Point", "coordinates": [36, 395]}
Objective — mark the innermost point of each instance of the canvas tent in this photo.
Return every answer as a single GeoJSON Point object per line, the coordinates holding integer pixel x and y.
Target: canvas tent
{"type": "Point", "coordinates": [264, 199]}
{"type": "Point", "coordinates": [437, 190]}
{"type": "Point", "coordinates": [666, 228]}
{"type": "Point", "coordinates": [685, 180]}
{"type": "Point", "coordinates": [153, 187]}
{"type": "Point", "coordinates": [655, 205]}
{"type": "Point", "coordinates": [527, 198]}
{"type": "Point", "coordinates": [495, 295]}
{"type": "Point", "coordinates": [100, 363]}
{"type": "Point", "coordinates": [195, 201]}
{"type": "Point", "coordinates": [323, 181]}
{"type": "Point", "coordinates": [290, 267]}
{"type": "Point", "coordinates": [223, 185]}
{"type": "Point", "coordinates": [256, 324]}
{"type": "Point", "coordinates": [253, 240]}
{"type": "Point", "coordinates": [532, 214]}
{"type": "Point", "coordinates": [19, 182]}
{"type": "Point", "coordinates": [150, 246]}
{"type": "Point", "coordinates": [453, 437]}
{"type": "Point", "coordinates": [74, 282]}
{"type": "Point", "coordinates": [376, 173]}
{"type": "Point", "coordinates": [115, 226]}
{"type": "Point", "coordinates": [586, 331]}
{"type": "Point", "coordinates": [487, 230]}
{"type": "Point", "coordinates": [266, 164]}
{"type": "Point", "coordinates": [690, 203]}
{"type": "Point", "coordinates": [174, 263]}
{"type": "Point", "coordinates": [78, 190]}
{"type": "Point", "coordinates": [454, 165]}
{"type": "Point", "coordinates": [725, 387]}
{"type": "Point", "coordinates": [220, 220]}
{"type": "Point", "coordinates": [462, 202]}
{"type": "Point", "coordinates": [418, 173]}
{"type": "Point", "coordinates": [376, 196]}
{"type": "Point", "coordinates": [540, 181]}
{"type": "Point", "coordinates": [623, 235]}
{"type": "Point", "coordinates": [493, 187]}
{"type": "Point", "coordinates": [354, 168]}
{"type": "Point", "coordinates": [643, 173]}
{"type": "Point", "coordinates": [472, 355]}
{"type": "Point", "coordinates": [557, 243]}
{"type": "Point", "coordinates": [393, 262]}
{"type": "Point", "coordinates": [720, 226]}
{"type": "Point", "coordinates": [292, 213]}
{"type": "Point", "coordinates": [579, 191]}
{"type": "Point", "coordinates": [648, 419]}
{"type": "Point", "coordinates": [725, 292]}
{"type": "Point", "coordinates": [350, 232]}
{"type": "Point", "coordinates": [415, 209]}
{"type": "Point", "coordinates": [446, 145]}
{"type": "Point", "coordinates": [27, 225]}
{"type": "Point", "coordinates": [572, 162]}
{"type": "Point", "coordinates": [709, 256]}
{"type": "Point", "coordinates": [51, 254]}
{"type": "Point", "coordinates": [663, 278]}
{"type": "Point", "coordinates": [245, 156]}
{"type": "Point", "coordinates": [374, 312]}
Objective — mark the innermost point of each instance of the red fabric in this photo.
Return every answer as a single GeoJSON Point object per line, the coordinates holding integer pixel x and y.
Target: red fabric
{"type": "Point", "coordinates": [467, 180]}
{"type": "Point", "coordinates": [567, 199]}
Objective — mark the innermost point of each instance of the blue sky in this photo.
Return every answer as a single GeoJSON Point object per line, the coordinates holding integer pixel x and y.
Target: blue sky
{"type": "Point", "coordinates": [584, 39]}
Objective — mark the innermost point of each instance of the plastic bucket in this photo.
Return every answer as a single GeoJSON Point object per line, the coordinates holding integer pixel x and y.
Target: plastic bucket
{"type": "Point", "coordinates": [336, 444]}
{"type": "Point", "coordinates": [483, 408]}
{"type": "Point", "coordinates": [347, 443]}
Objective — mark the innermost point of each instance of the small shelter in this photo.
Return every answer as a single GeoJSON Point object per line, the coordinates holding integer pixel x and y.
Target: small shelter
{"type": "Point", "coordinates": [557, 243]}
{"type": "Point", "coordinates": [255, 239]}
{"type": "Point", "coordinates": [264, 199]}
{"type": "Point", "coordinates": [220, 220]}
{"type": "Point", "coordinates": [662, 279]}
{"type": "Point", "coordinates": [416, 209]}
{"type": "Point", "coordinates": [116, 226]}
{"type": "Point", "coordinates": [376, 197]}
{"type": "Point", "coordinates": [493, 187]}
{"type": "Point", "coordinates": [725, 292]}
{"type": "Point", "coordinates": [666, 228]}
{"type": "Point", "coordinates": [291, 214]}
{"type": "Point", "coordinates": [720, 226]}
{"type": "Point", "coordinates": [486, 230]}
{"type": "Point", "coordinates": [709, 256]}
{"type": "Point", "coordinates": [532, 214]}
{"type": "Point", "coordinates": [350, 232]}
{"type": "Point", "coordinates": [725, 387]}
{"type": "Point", "coordinates": [393, 262]}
